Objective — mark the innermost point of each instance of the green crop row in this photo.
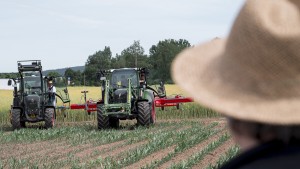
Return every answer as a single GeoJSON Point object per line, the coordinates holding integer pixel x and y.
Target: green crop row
{"type": "Point", "coordinates": [158, 137]}
{"type": "Point", "coordinates": [232, 152]}
{"type": "Point", "coordinates": [199, 156]}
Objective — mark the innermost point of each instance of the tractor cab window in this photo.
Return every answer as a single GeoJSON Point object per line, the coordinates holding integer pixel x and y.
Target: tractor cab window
{"type": "Point", "coordinates": [119, 78]}
{"type": "Point", "coordinates": [32, 85]}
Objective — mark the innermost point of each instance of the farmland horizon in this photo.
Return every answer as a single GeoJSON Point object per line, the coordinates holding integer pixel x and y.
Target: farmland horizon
{"type": "Point", "coordinates": [58, 70]}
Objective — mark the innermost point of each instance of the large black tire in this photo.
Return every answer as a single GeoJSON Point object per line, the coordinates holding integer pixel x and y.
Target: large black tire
{"type": "Point", "coordinates": [49, 118]}
{"type": "Point", "coordinates": [103, 121]}
{"type": "Point", "coordinates": [114, 123]}
{"type": "Point", "coordinates": [16, 119]}
{"type": "Point", "coordinates": [144, 114]}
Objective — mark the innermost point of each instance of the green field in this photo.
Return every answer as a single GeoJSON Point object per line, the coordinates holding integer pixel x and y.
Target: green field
{"type": "Point", "coordinates": [167, 144]}
{"type": "Point", "coordinates": [190, 137]}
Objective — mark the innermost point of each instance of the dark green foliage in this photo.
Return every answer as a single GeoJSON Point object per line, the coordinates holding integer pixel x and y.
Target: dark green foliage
{"type": "Point", "coordinates": [8, 75]}
{"type": "Point", "coordinates": [75, 76]}
{"type": "Point", "coordinates": [95, 62]}
{"type": "Point", "coordinates": [161, 57]}
{"type": "Point", "coordinates": [131, 57]}
{"type": "Point", "coordinates": [53, 74]}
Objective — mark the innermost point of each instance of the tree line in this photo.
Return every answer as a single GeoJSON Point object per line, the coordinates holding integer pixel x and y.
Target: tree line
{"type": "Point", "coordinates": [158, 62]}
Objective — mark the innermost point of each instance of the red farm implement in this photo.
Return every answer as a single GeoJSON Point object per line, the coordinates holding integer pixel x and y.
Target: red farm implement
{"type": "Point", "coordinates": [171, 101]}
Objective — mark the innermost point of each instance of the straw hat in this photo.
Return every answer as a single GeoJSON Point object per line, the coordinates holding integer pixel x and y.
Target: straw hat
{"type": "Point", "coordinates": [254, 74]}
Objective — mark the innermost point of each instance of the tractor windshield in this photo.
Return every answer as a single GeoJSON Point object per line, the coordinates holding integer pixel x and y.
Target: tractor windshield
{"type": "Point", "coordinates": [32, 85]}
{"type": "Point", "coordinates": [119, 78]}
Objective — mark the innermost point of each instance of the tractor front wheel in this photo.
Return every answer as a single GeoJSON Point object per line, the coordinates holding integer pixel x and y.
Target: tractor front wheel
{"type": "Point", "coordinates": [49, 118]}
{"type": "Point", "coordinates": [16, 119]}
{"type": "Point", "coordinates": [144, 114]}
{"type": "Point", "coordinates": [103, 121]}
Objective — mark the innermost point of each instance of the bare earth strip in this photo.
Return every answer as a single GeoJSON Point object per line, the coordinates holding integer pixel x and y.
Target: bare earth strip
{"type": "Point", "coordinates": [107, 147]}
{"type": "Point", "coordinates": [117, 151]}
{"type": "Point", "coordinates": [62, 154]}
{"type": "Point", "coordinates": [191, 151]}
{"type": "Point", "coordinates": [89, 151]}
{"type": "Point", "coordinates": [153, 157]}
{"type": "Point", "coordinates": [212, 157]}
{"type": "Point", "coordinates": [82, 152]}
{"type": "Point", "coordinates": [19, 150]}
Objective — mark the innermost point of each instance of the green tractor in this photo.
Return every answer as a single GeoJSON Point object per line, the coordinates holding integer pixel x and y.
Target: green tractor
{"type": "Point", "coordinates": [32, 102]}
{"type": "Point", "coordinates": [125, 95]}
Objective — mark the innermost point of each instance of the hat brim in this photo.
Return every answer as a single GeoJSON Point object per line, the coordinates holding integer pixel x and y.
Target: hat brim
{"type": "Point", "coordinates": [196, 71]}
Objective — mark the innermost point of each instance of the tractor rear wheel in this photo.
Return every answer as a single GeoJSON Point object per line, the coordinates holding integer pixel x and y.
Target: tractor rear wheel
{"type": "Point", "coordinates": [49, 118]}
{"type": "Point", "coordinates": [144, 114]}
{"type": "Point", "coordinates": [16, 119]}
{"type": "Point", "coordinates": [103, 121]}
{"type": "Point", "coordinates": [114, 122]}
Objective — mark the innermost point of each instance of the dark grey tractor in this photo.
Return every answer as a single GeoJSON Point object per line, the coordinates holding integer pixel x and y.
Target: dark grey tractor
{"type": "Point", "coordinates": [32, 102]}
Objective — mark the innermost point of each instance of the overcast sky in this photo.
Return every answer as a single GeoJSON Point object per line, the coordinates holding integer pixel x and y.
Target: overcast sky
{"type": "Point", "coordinates": [63, 33]}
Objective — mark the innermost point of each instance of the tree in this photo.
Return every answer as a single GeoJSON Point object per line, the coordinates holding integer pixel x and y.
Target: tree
{"type": "Point", "coordinates": [133, 56]}
{"type": "Point", "coordinates": [99, 60]}
{"type": "Point", "coordinates": [53, 74]}
{"type": "Point", "coordinates": [8, 75]}
{"type": "Point", "coordinates": [75, 76]}
{"type": "Point", "coordinates": [162, 55]}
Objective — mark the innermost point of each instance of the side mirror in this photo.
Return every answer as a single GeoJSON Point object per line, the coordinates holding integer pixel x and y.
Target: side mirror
{"type": "Point", "coordinates": [9, 82]}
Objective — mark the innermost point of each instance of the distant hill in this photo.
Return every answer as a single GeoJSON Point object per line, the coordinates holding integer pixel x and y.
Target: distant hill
{"type": "Point", "coordinates": [62, 70]}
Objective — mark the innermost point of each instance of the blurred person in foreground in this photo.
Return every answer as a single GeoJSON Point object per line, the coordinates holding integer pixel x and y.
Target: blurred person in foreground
{"type": "Point", "coordinates": [253, 78]}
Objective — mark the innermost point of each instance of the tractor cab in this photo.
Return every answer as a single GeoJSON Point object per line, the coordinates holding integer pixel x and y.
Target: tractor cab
{"type": "Point", "coordinates": [119, 78]}
{"type": "Point", "coordinates": [32, 85]}
{"type": "Point", "coordinates": [119, 84]}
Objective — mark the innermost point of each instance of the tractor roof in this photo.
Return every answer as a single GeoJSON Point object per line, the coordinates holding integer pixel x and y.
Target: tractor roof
{"type": "Point", "coordinates": [29, 65]}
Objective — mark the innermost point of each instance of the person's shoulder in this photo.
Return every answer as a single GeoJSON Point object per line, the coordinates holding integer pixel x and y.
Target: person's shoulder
{"type": "Point", "coordinates": [271, 155]}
